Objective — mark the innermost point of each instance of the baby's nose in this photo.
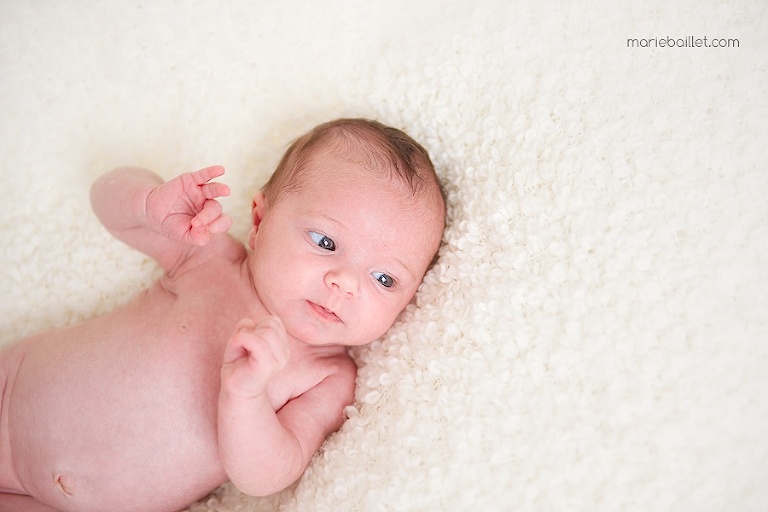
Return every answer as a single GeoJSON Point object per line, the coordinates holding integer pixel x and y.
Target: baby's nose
{"type": "Point", "coordinates": [342, 281]}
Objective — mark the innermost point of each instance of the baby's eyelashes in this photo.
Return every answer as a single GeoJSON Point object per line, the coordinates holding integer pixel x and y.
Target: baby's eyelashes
{"type": "Point", "coordinates": [322, 241]}
{"type": "Point", "coordinates": [385, 280]}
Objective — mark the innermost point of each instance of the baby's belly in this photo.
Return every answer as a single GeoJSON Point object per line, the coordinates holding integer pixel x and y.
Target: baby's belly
{"type": "Point", "coordinates": [98, 423]}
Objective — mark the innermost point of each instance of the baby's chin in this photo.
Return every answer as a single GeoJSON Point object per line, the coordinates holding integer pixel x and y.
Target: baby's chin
{"type": "Point", "coordinates": [313, 338]}
{"type": "Point", "coordinates": [316, 329]}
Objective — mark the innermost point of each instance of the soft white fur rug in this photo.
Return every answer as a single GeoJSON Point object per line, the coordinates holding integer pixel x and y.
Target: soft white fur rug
{"type": "Point", "coordinates": [595, 335]}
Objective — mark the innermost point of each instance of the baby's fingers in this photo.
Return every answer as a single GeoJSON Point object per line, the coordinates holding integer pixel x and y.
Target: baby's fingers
{"type": "Point", "coordinates": [207, 174]}
{"type": "Point", "coordinates": [265, 347]}
{"type": "Point", "coordinates": [209, 220]}
{"type": "Point", "coordinates": [272, 334]}
{"type": "Point", "coordinates": [220, 225]}
{"type": "Point", "coordinates": [214, 190]}
{"type": "Point", "coordinates": [208, 190]}
{"type": "Point", "coordinates": [210, 212]}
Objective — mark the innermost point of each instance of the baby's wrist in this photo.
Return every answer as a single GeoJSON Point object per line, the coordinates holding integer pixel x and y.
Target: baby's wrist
{"type": "Point", "coordinates": [147, 213]}
{"type": "Point", "coordinates": [239, 395]}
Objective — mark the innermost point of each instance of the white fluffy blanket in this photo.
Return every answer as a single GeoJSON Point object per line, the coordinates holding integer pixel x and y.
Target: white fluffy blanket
{"type": "Point", "coordinates": [595, 335]}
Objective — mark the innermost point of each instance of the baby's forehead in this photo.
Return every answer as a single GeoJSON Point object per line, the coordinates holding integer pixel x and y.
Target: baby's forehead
{"type": "Point", "coordinates": [373, 159]}
{"type": "Point", "coordinates": [343, 182]}
{"type": "Point", "coordinates": [369, 155]}
{"type": "Point", "coordinates": [344, 172]}
{"type": "Point", "coordinates": [366, 152]}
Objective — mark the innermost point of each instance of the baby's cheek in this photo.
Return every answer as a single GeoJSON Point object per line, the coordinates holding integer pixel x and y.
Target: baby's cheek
{"type": "Point", "coordinates": [381, 321]}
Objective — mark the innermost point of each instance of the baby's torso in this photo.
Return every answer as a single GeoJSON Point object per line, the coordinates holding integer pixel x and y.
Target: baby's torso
{"type": "Point", "coordinates": [124, 406]}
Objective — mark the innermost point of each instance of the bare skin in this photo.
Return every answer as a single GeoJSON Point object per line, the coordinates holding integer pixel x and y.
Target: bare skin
{"type": "Point", "coordinates": [154, 384]}
{"type": "Point", "coordinates": [197, 381]}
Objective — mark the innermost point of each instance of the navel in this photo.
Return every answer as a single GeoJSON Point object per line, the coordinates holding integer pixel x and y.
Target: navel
{"type": "Point", "coordinates": [64, 484]}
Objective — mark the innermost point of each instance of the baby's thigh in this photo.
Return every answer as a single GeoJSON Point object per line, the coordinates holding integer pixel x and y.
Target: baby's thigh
{"type": "Point", "coordinates": [8, 479]}
{"type": "Point", "coordinates": [18, 503]}
{"type": "Point", "coordinates": [11, 358]}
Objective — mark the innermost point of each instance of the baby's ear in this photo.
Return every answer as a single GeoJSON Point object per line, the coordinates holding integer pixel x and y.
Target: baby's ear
{"type": "Point", "coordinates": [258, 209]}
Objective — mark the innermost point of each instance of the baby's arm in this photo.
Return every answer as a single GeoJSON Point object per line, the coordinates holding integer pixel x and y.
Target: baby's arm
{"type": "Point", "coordinates": [262, 451]}
{"type": "Point", "coordinates": [161, 219]}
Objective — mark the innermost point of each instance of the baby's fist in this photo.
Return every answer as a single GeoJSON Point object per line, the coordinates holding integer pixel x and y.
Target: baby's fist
{"type": "Point", "coordinates": [253, 355]}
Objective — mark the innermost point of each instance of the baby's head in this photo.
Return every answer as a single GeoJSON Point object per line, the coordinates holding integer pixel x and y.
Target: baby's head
{"type": "Point", "coordinates": [378, 148]}
{"type": "Point", "coordinates": [345, 230]}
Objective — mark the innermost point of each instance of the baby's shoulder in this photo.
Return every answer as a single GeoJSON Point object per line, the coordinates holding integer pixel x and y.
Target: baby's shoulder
{"type": "Point", "coordinates": [340, 373]}
{"type": "Point", "coordinates": [336, 386]}
{"type": "Point", "coordinates": [327, 365]}
{"type": "Point", "coordinates": [342, 367]}
{"type": "Point", "coordinates": [220, 253]}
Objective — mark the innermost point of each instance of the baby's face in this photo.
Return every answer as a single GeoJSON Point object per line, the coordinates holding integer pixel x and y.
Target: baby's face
{"type": "Point", "coordinates": [338, 259]}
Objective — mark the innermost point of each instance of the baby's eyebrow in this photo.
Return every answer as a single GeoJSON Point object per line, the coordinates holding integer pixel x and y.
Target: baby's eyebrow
{"type": "Point", "coordinates": [406, 267]}
{"type": "Point", "coordinates": [315, 214]}
{"type": "Point", "coordinates": [328, 217]}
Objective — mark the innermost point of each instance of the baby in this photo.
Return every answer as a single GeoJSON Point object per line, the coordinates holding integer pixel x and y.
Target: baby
{"type": "Point", "coordinates": [233, 365]}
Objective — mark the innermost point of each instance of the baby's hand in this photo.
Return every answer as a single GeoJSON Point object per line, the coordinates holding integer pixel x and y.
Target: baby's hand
{"type": "Point", "coordinates": [185, 208]}
{"type": "Point", "coordinates": [253, 355]}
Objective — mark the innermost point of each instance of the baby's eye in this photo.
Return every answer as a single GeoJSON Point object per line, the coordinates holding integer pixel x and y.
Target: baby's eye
{"type": "Point", "coordinates": [322, 241]}
{"type": "Point", "coordinates": [385, 280]}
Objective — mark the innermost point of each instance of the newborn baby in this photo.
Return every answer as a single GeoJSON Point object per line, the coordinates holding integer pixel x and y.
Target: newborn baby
{"type": "Point", "coordinates": [233, 365]}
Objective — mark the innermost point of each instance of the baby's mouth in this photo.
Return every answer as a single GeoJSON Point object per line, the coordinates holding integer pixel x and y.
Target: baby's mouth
{"type": "Point", "coordinates": [323, 312]}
